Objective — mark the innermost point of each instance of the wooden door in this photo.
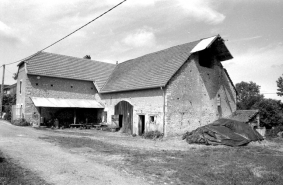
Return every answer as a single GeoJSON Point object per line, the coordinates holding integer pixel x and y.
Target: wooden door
{"type": "Point", "coordinates": [126, 110]}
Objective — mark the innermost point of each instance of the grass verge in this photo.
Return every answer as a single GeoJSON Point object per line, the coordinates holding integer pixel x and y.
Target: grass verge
{"type": "Point", "coordinates": [12, 174]}
{"type": "Point", "coordinates": [240, 165]}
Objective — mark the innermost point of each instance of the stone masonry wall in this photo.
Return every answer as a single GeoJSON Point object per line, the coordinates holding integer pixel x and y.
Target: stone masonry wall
{"type": "Point", "coordinates": [21, 91]}
{"type": "Point", "coordinates": [145, 102]}
{"type": "Point", "coordinates": [48, 87]}
{"type": "Point", "coordinates": [193, 96]}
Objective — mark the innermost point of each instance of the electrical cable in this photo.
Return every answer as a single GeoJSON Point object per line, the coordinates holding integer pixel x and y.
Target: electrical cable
{"type": "Point", "coordinates": [71, 32]}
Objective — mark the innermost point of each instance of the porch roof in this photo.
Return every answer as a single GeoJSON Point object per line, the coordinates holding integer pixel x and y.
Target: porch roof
{"type": "Point", "coordinates": [66, 103]}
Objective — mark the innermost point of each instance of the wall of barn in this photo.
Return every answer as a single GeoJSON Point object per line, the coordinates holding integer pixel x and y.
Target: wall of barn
{"type": "Point", "coordinates": [197, 96]}
{"type": "Point", "coordinates": [21, 90]}
{"type": "Point", "coordinates": [145, 102]}
{"type": "Point", "coordinates": [50, 87]}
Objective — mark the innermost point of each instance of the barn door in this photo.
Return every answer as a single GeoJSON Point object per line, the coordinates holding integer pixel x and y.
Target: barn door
{"type": "Point", "coordinates": [126, 110]}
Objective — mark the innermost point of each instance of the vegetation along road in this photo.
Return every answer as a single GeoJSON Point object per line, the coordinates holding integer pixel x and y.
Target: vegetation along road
{"type": "Point", "coordinates": [74, 156]}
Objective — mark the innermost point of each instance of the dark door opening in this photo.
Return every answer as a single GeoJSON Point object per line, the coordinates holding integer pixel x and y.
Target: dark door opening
{"type": "Point", "coordinates": [120, 121]}
{"type": "Point", "coordinates": [126, 110]}
{"type": "Point", "coordinates": [141, 124]}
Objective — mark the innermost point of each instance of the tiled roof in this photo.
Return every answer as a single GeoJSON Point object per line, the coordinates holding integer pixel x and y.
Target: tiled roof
{"type": "Point", "coordinates": [243, 115]}
{"type": "Point", "coordinates": [149, 71]}
{"type": "Point", "coordinates": [61, 66]}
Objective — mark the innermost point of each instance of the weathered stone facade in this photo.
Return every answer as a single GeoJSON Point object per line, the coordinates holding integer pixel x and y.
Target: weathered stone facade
{"type": "Point", "coordinates": [173, 91]}
{"type": "Point", "coordinates": [194, 96]}
{"type": "Point", "coordinates": [49, 87]}
{"type": "Point", "coordinates": [145, 102]}
{"type": "Point", "coordinates": [197, 95]}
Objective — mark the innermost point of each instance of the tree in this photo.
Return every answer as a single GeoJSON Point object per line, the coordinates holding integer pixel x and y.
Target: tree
{"type": "Point", "coordinates": [280, 86]}
{"type": "Point", "coordinates": [248, 95]}
{"type": "Point", "coordinates": [87, 57]}
{"type": "Point", "coordinates": [15, 76]}
{"type": "Point", "coordinates": [271, 112]}
{"type": "Point", "coordinates": [8, 101]}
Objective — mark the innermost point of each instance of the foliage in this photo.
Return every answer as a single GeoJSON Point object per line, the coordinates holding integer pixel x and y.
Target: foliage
{"type": "Point", "coordinates": [271, 113]}
{"type": "Point", "coordinates": [274, 132]}
{"type": "Point", "coordinates": [15, 76]}
{"type": "Point", "coordinates": [280, 86]}
{"type": "Point", "coordinates": [87, 57]}
{"type": "Point", "coordinates": [248, 95]}
{"type": "Point", "coordinates": [20, 122]}
{"type": "Point", "coordinates": [8, 101]}
{"type": "Point", "coordinates": [153, 135]}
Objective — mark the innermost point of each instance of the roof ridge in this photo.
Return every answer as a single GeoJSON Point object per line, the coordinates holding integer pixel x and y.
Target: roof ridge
{"type": "Point", "coordinates": [29, 57]}
{"type": "Point", "coordinates": [159, 51]}
{"type": "Point", "coordinates": [83, 59]}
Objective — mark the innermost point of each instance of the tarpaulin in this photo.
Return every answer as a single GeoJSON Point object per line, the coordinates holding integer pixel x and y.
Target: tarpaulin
{"type": "Point", "coordinates": [223, 132]}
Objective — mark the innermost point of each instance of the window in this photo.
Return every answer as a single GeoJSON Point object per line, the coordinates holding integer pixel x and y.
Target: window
{"type": "Point", "coordinates": [51, 85]}
{"type": "Point", "coordinates": [36, 84]}
{"type": "Point", "coordinates": [152, 119]}
{"type": "Point", "coordinates": [20, 87]}
{"type": "Point", "coordinates": [71, 86]}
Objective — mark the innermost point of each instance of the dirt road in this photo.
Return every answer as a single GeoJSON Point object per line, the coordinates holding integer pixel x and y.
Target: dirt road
{"type": "Point", "coordinates": [54, 164]}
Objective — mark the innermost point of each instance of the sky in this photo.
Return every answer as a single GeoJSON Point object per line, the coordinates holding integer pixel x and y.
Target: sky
{"type": "Point", "coordinates": [252, 30]}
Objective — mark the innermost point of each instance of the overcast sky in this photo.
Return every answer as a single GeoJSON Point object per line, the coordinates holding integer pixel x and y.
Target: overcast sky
{"type": "Point", "coordinates": [253, 30]}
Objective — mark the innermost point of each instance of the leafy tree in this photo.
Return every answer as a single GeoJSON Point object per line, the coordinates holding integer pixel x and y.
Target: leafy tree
{"type": "Point", "coordinates": [280, 86]}
{"type": "Point", "coordinates": [248, 95]}
{"type": "Point", "coordinates": [8, 101]}
{"type": "Point", "coordinates": [87, 57]}
{"type": "Point", "coordinates": [271, 112]}
{"type": "Point", "coordinates": [15, 76]}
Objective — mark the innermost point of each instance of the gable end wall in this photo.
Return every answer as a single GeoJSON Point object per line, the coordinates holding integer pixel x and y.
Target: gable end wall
{"type": "Point", "coordinates": [192, 97]}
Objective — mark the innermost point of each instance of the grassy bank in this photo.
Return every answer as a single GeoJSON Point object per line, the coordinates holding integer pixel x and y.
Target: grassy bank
{"type": "Point", "coordinates": [220, 165]}
{"type": "Point", "coordinates": [13, 174]}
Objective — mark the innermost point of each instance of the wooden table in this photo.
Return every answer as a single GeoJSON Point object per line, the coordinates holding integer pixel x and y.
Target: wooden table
{"type": "Point", "coordinates": [76, 125]}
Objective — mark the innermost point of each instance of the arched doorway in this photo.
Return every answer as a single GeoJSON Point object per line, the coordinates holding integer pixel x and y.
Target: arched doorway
{"type": "Point", "coordinates": [125, 111]}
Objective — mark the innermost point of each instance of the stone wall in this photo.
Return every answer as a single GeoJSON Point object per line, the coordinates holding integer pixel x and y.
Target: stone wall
{"type": "Point", "coordinates": [145, 102]}
{"type": "Point", "coordinates": [197, 96]}
{"type": "Point", "coordinates": [21, 90]}
{"type": "Point", "coordinates": [48, 87]}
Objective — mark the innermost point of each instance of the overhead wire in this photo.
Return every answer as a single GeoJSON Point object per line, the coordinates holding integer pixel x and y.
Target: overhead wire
{"type": "Point", "coordinates": [71, 32]}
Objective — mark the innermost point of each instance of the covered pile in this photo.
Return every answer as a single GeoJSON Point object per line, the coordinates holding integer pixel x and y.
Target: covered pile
{"type": "Point", "coordinates": [223, 132]}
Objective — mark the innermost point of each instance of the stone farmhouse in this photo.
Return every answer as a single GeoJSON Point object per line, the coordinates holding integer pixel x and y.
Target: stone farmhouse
{"type": "Point", "coordinates": [173, 90]}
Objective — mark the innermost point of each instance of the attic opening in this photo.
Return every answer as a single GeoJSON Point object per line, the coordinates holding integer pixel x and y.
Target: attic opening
{"type": "Point", "coordinates": [206, 58]}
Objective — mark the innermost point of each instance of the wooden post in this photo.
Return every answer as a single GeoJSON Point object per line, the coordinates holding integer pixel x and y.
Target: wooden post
{"type": "Point", "coordinates": [2, 91]}
{"type": "Point", "coordinates": [75, 115]}
{"type": "Point", "coordinates": [164, 126]}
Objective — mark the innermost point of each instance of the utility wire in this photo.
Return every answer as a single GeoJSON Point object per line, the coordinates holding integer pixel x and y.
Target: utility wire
{"type": "Point", "coordinates": [72, 32]}
{"type": "Point", "coordinates": [9, 71]}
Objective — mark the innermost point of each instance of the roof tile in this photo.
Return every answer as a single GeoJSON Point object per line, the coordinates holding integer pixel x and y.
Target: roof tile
{"type": "Point", "coordinates": [149, 71]}
{"type": "Point", "coordinates": [61, 66]}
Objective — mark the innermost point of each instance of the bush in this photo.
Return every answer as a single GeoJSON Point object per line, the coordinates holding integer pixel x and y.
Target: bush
{"type": "Point", "coordinates": [20, 122]}
{"type": "Point", "coordinates": [153, 135]}
{"type": "Point", "coordinates": [274, 132]}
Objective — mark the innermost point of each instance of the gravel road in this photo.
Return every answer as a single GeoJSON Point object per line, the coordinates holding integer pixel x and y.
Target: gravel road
{"type": "Point", "coordinates": [54, 164]}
